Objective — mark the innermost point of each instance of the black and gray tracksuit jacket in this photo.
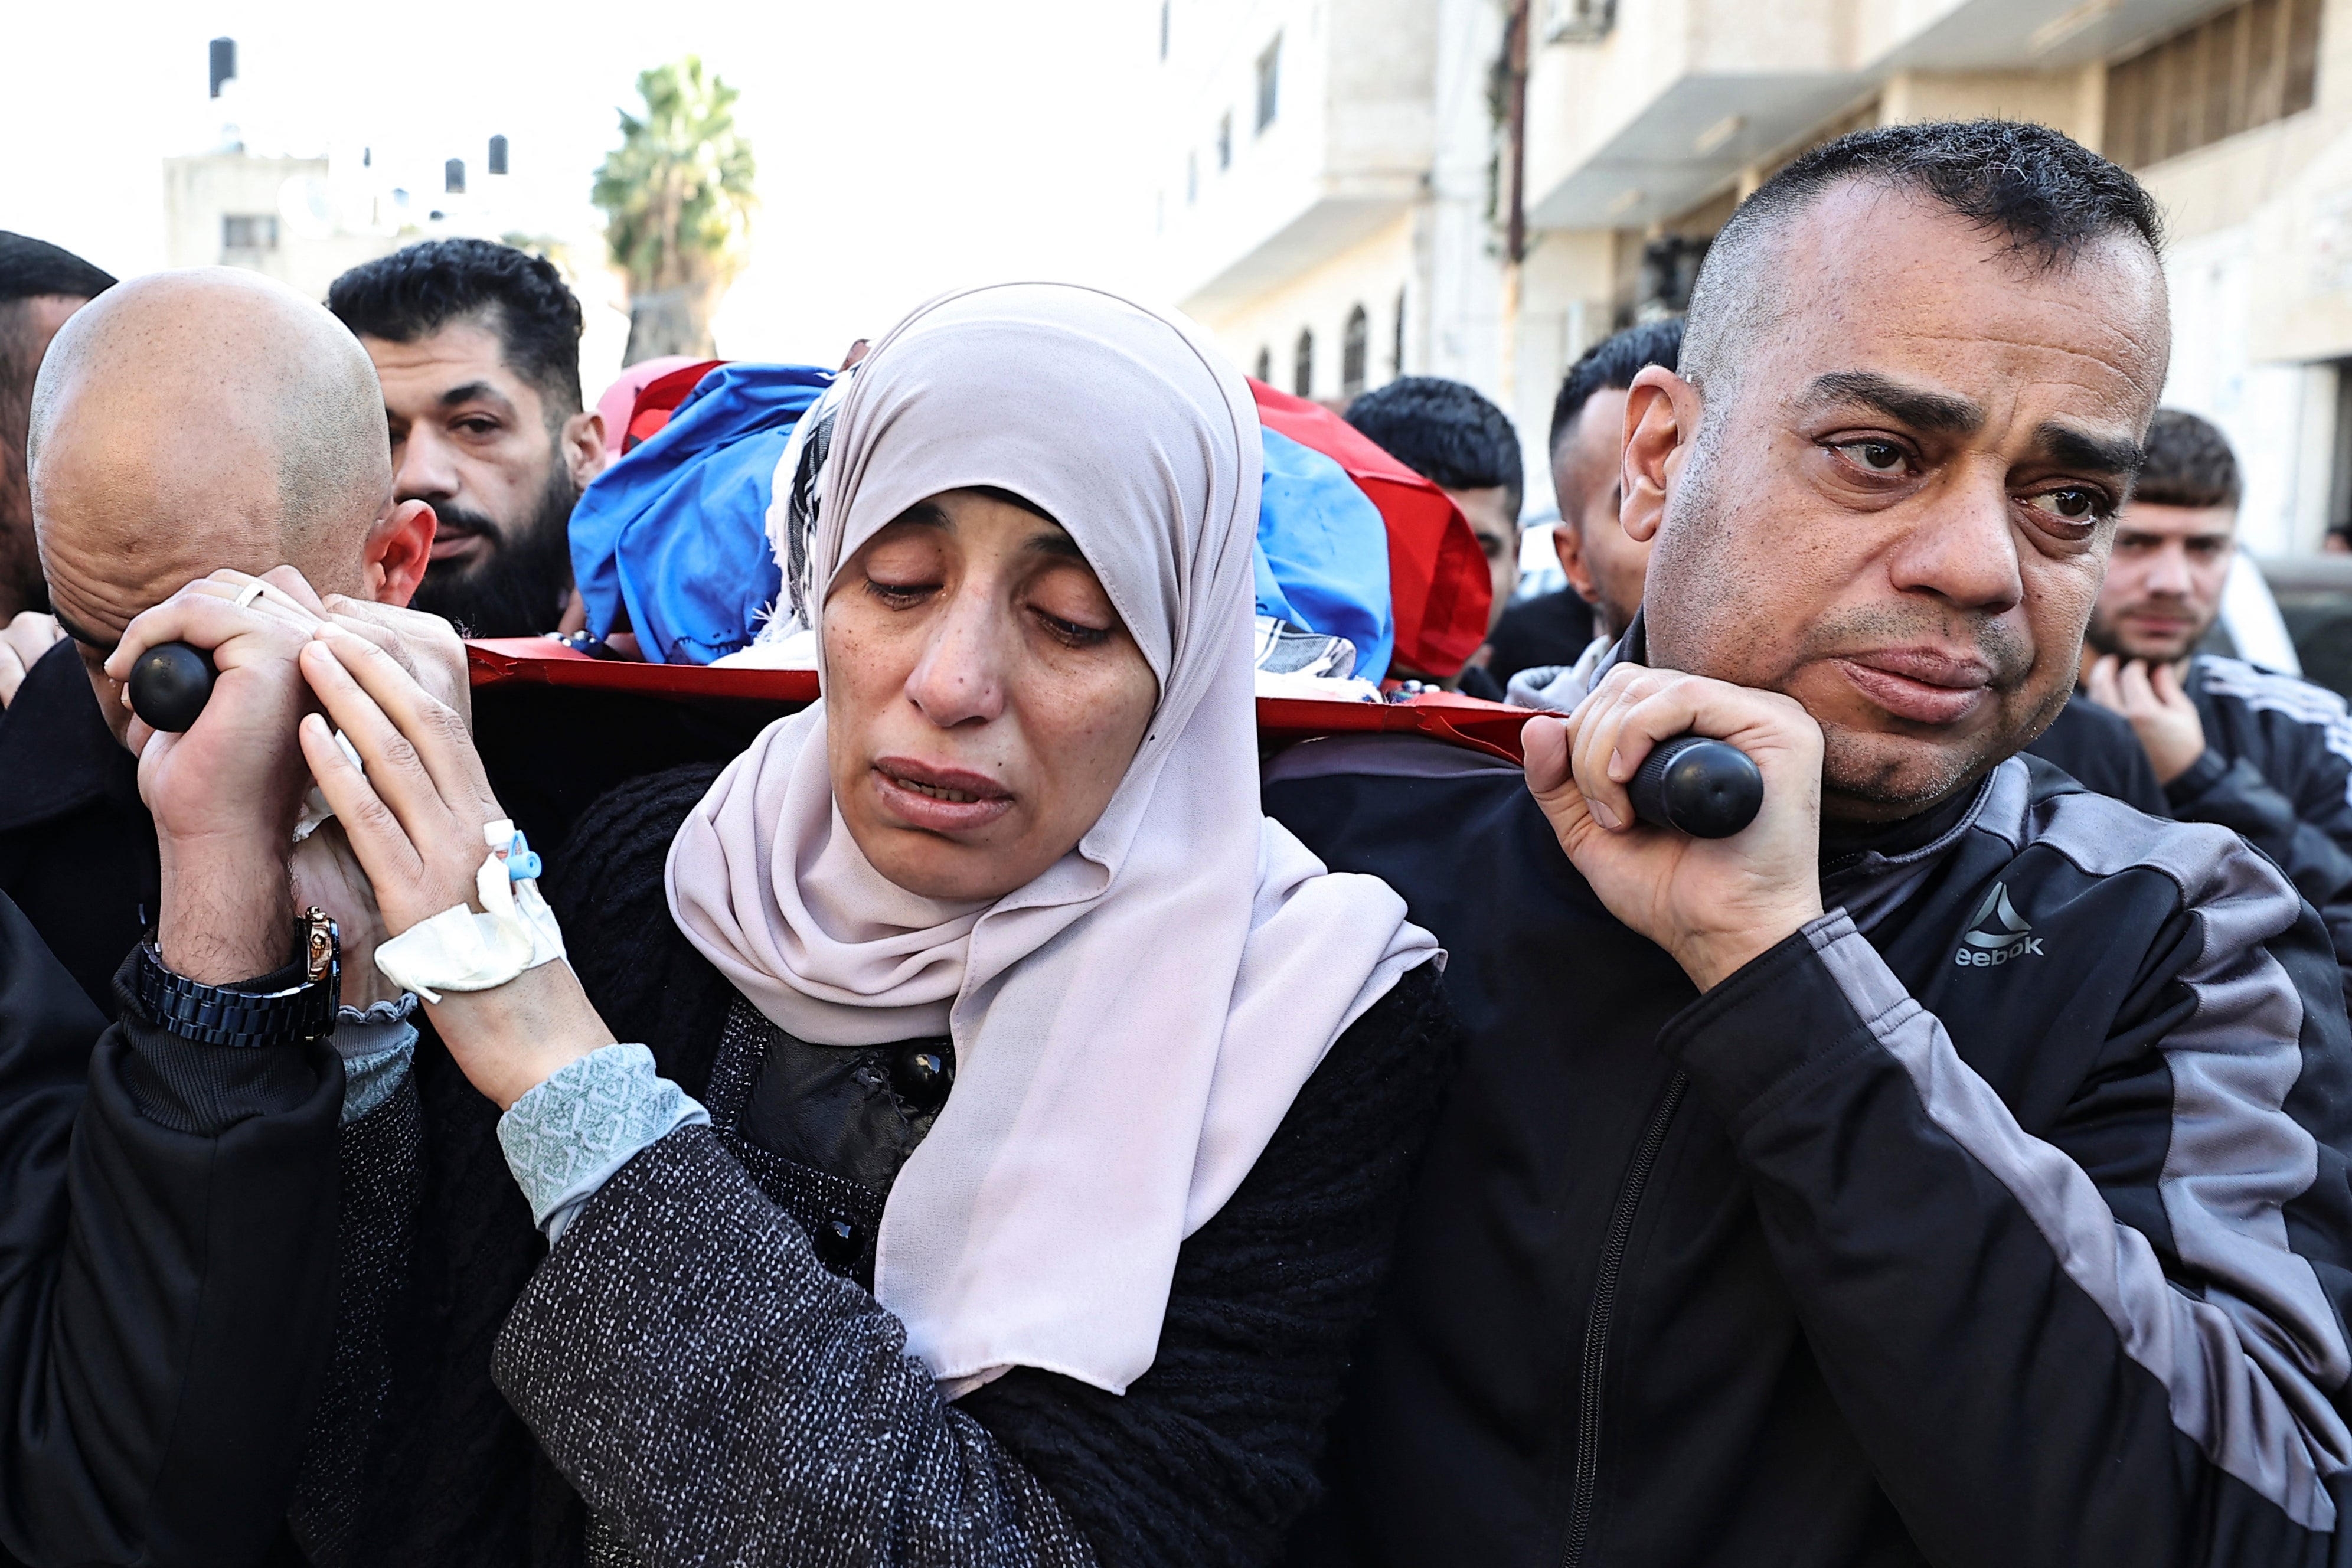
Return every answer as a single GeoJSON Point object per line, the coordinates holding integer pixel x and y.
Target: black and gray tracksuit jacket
{"type": "Point", "coordinates": [1999, 1216]}
{"type": "Point", "coordinates": [2277, 769]}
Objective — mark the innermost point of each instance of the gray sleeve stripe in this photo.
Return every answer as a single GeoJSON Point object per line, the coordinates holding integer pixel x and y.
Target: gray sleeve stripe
{"type": "Point", "coordinates": [2236, 1158]}
{"type": "Point", "coordinates": [2239, 1383]}
{"type": "Point", "coordinates": [2267, 691]}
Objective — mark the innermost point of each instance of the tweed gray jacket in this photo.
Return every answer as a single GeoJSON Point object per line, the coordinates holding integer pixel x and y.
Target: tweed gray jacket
{"type": "Point", "coordinates": [700, 1358]}
{"type": "Point", "coordinates": [716, 1391]}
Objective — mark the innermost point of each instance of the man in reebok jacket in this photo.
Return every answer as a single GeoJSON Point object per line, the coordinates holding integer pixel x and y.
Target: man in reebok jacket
{"type": "Point", "coordinates": [1949, 1167]}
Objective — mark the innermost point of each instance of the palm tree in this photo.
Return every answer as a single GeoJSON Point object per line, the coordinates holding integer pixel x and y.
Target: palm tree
{"type": "Point", "coordinates": [676, 196]}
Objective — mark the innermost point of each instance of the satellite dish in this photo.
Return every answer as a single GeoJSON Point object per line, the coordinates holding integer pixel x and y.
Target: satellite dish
{"type": "Point", "coordinates": [307, 206]}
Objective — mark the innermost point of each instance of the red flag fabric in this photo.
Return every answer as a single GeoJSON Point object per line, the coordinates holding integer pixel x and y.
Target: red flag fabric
{"type": "Point", "coordinates": [659, 398]}
{"type": "Point", "coordinates": [1447, 716]}
{"type": "Point", "coordinates": [1439, 587]}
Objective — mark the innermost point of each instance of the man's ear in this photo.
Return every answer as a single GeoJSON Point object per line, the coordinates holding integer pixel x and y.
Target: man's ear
{"type": "Point", "coordinates": [582, 447]}
{"type": "Point", "coordinates": [399, 549]}
{"type": "Point", "coordinates": [1567, 543]}
{"type": "Point", "coordinates": [1662, 419]}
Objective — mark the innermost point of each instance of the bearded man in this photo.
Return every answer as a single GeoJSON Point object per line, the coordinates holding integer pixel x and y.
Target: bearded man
{"type": "Point", "coordinates": [478, 346]}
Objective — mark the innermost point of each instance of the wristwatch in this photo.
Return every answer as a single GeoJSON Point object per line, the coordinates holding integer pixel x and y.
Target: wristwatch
{"type": "Point", "coordinates": [288, 1006]}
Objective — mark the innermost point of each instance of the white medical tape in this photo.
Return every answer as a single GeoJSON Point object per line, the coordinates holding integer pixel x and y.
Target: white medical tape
{"type": "Point", "coordinates": [464, 949]}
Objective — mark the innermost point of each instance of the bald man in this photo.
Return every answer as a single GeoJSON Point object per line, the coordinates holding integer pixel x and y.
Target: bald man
{"type": "Point", "coordinates": [185, 423]}
{"type": "Point", "coordinates": [207, 456]}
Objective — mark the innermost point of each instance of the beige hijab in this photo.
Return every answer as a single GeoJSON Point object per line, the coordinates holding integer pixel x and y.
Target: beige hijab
{"type": "Point", "coordinates": [1131, 1027]}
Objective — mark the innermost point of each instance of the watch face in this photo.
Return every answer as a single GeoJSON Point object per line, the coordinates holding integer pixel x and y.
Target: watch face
{"type": "Point", "coordinates": [322, 942]}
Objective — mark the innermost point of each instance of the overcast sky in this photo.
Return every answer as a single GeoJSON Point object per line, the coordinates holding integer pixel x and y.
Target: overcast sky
{"type": "Point", "coordinates": [905, 146]}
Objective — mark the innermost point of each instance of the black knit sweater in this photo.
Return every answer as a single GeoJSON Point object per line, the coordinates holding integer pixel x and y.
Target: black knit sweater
{"type": "Point", "coordinates": [683, 1307]}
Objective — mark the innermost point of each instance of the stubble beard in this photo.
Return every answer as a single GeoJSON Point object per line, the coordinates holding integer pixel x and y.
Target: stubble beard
{"type": "Point", "coordinates": [1866, 775]}
{"type": "Point", "coordinates": [2105, 637]}
{"type": "Point", "coordinates": [518, 586]}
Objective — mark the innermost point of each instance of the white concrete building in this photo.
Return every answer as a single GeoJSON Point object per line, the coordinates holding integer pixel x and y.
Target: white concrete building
{"type": "Point", "coordinates": [285, 217]}
{"type": "Point", "coordinates": [1313, 185]}
{"type": "Point", "coordinates": [1385, 175]}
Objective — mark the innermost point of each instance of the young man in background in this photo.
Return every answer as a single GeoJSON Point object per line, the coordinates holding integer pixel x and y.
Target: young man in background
{"type": "Point", "coordinates": [40, 286]}
{"type": "Point", "coordinates": [1605, 567]}
{"type": "Point", "coordinates": [477, 345]}
{"type": "Point", "coordinates": [2266, 754]}
{"type": "Point", "coordinates": [1449, 435]}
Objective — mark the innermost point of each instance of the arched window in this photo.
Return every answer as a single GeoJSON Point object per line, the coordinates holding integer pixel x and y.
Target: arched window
{"type": "Point", "coordinates": [1302, 364]}
{"type": "Point", "coordinates": [1396, 359]}
{"type": "Point", "coordinates": [1354, 350]}
{"type": "Point", "coordinates": [1265, 365]}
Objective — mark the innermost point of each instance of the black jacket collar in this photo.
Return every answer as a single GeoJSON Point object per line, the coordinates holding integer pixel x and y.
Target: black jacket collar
{"type": "Point", "coordinates": [57, 755]}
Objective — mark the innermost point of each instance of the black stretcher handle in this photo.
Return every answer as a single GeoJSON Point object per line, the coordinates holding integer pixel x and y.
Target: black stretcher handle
{"type": "Point", "coordinates": [170, 686]}
{"type": "Point", "coordinates": [1708, 789]}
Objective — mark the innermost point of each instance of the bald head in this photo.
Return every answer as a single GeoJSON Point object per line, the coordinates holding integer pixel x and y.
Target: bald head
{"type": "Point", "coordinates": [2045, 200]}
{"type": "Point", "coordinates": [190, 421]}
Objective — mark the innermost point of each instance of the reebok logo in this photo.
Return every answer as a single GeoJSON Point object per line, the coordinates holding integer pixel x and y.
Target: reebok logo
{"type": "Point", "coordinates": [1996, 933]}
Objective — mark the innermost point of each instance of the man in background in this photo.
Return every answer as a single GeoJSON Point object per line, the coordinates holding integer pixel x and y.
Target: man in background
{"type": "Point", "coordinates": [1605, 567]}
{"type": "Point", "coordinates": [2266, 754]}
{"type": "Point", "coordinates": [40, 286]}
{"type": "Point", "coordinates": [1451, 435]}
{"type": "Point", "coordinates": [478, 346]}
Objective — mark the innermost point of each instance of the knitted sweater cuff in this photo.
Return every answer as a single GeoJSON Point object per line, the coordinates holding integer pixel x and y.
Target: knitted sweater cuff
{"type": "Point", "coordinates": [376, 1043]}
{"type": "Point", "coordinates": [566, 1138]}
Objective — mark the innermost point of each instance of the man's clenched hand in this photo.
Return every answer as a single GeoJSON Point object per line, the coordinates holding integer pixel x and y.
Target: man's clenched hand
{"type": "Point", "coordinates": [1713, 904]}
{"type": "Point", "coordinates": [225, 794]}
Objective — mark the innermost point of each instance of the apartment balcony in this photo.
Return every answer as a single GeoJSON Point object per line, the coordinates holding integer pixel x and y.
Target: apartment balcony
{"type": "Point", "coordinates": [1680, 97]}
{"type": "Point", "coordinates": [1300, 130]}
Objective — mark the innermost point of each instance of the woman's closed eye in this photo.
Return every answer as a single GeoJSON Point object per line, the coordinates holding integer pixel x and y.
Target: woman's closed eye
{"type": "Point", "coordinates": [1068, 602]}
{"type": "Point", "coordinates": [1069, 633]}
{"type": "Point", "coordinates": [899, 595]}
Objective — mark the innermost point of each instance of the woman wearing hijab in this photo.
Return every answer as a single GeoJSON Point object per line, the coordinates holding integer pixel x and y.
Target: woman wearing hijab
{"type": "Point", "coordinates": [981, 983]}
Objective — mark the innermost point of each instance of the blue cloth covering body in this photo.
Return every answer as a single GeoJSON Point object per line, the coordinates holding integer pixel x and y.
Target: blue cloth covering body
{"type": "Point", "coordinates": [1322, 553]}
{"type": "Point", "coordinates": [675, 536]}
{"type": "Point", "coordinates": [676, 531]}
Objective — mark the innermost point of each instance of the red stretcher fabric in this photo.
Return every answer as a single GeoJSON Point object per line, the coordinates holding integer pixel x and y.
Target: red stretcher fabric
{"type": "Point", "coordinates": [1455, 719]}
